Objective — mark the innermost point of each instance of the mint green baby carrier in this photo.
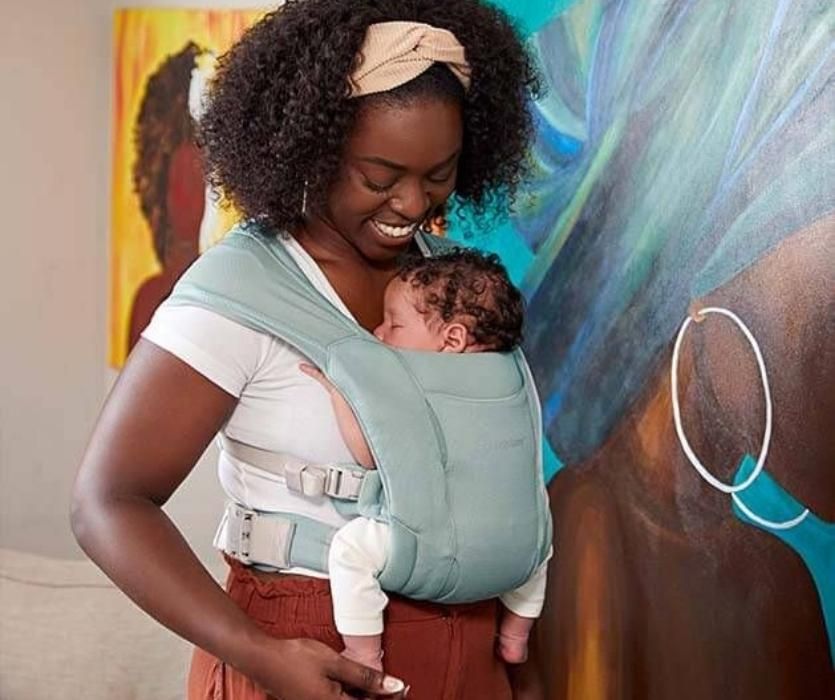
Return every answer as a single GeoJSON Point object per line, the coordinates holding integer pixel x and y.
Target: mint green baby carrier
{"type": "Point", "coordinates": [456, 437]}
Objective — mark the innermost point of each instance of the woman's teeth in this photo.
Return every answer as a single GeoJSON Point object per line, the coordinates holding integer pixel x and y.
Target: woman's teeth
{"type": "Point", "coordinates": [395, 231]}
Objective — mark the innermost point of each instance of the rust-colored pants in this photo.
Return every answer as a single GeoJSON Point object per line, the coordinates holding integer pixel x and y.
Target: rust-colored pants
{"type": "Point", "coordinates": [444, 652]}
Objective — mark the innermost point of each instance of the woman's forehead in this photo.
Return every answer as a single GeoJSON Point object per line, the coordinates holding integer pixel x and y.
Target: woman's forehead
{"type": "Point", "coordinates": [418, 135]}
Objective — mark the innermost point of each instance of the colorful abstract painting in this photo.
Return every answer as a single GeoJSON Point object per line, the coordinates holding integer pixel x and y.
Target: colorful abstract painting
{"type": "Point", "coordinates": [676, 246]}
{"type": "Point", "coordinates": [161, 213]}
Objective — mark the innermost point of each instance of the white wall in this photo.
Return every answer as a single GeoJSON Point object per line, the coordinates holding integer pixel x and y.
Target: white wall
{"type": "Point", "coordinates": [55, 97]}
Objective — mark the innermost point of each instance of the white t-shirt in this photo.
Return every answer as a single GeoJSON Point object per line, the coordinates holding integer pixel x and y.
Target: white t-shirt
{"type": "Point", "coordinates": [280, 408]}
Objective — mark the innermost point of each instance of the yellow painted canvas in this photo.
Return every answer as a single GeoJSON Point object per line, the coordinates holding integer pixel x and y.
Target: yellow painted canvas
{"type": "Point", "coordinates": [162, 214]}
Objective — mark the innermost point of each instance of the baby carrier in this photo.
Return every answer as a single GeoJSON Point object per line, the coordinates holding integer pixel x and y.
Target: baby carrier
{"type": "Point", "coordinates": [456, 437]}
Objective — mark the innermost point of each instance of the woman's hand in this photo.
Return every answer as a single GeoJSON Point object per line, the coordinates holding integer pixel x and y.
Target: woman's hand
{"type": "Point", "coordinates": [303, 669]}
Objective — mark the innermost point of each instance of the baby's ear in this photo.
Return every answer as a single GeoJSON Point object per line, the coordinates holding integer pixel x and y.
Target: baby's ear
{"type": "Point", "coordinates": [455, 337]}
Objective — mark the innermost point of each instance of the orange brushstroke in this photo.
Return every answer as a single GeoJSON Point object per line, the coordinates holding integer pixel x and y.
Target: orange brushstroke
{"type": "Point", "coordinates": [587, 669]}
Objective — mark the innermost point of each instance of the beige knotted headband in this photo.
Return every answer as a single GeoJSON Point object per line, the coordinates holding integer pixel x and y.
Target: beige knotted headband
{"type": "Point", "coordinates": [394, 53]}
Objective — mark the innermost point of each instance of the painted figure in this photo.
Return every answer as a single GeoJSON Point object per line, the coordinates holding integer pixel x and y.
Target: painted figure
{"type": "Point", "coordinates": [168, 180]}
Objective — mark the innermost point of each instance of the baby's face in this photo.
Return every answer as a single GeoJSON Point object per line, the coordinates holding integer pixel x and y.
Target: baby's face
{"type": "Point", "coordinates": [404, 326]}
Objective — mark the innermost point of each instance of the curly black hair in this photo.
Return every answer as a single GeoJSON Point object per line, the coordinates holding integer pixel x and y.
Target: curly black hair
{"type": "Point", "coordinates": [472, 288]}
{"type": "Point", "coordinates": [280, 111]}
{"type": "Point", "coordinates": [163, 124]}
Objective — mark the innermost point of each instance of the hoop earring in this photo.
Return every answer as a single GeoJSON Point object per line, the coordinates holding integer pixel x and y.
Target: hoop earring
{"type": "Point", "coordinates": [304, 198]}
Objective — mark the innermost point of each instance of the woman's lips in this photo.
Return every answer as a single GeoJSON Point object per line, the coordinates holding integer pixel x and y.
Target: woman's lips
{"type": "Point", "coordinates": [390, 231]}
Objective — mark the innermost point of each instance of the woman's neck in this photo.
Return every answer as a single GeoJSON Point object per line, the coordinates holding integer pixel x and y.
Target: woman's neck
{"type": "Point", "coordinates": [325, 244]}
{"type": "Point", "coordinates": [358, 281]}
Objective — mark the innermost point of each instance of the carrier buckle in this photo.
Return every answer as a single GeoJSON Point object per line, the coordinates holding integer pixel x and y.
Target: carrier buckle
{"type": "Point", "coordinates": [332, 480]}
{"type": "Point", "coordinates": [239, 532]}
{"type": "Point", "coordinates": [343, 483]}
{"type": "Point", "coordinates": [258, 538]}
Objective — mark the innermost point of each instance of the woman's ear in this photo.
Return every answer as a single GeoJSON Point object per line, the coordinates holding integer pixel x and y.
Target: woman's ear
{"type": "Point", "coordinates": [455, 337]}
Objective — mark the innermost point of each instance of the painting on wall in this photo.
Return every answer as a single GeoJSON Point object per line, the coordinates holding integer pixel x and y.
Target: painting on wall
{"type": "Point", "coordinates": [162, 214]}
{"type": "Point", "coordinates": [676, 247]}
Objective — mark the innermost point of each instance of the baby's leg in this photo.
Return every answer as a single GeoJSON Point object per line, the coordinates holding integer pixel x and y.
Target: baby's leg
{"type": "Point", "coordinates": [513, 637]}
{"type": "Point", "coordinates": [359, 551]}
{"type": "Point", "coordinates": [515, 628]}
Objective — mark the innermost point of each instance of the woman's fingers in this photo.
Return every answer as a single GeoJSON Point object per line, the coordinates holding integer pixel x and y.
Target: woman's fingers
{"type": "Point", "coordinates": [373, 684]}
{"type": "Point", "coordinates": [304, 669]}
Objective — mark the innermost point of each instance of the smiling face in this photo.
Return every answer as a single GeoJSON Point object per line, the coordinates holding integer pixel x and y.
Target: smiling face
{"type": "Point", "coordinates": [398, 166]}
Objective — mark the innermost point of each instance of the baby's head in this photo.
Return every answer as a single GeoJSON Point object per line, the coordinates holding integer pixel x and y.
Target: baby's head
{"type": "Point", "coordinates": [462, 301]}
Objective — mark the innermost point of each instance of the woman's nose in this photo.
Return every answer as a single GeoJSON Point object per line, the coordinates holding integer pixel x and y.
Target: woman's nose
{"type": "Point", "coordinates": [411, 201]}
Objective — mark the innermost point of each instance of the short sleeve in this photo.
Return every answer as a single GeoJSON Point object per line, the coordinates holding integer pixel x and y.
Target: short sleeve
{"type": "Point", "coordinates": [226, 353]}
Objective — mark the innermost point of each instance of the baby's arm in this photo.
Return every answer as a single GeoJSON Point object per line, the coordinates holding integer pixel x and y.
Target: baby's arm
{"type": "Point", "coordinates": [349, 426]}
{"type": "Point", "coordinates": [522, 606]}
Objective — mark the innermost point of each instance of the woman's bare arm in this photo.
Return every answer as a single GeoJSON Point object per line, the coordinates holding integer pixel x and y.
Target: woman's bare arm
{"type": "Point", "coordinates": [154, 427]}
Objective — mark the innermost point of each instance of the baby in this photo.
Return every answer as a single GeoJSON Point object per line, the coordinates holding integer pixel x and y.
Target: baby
{"type": "Point", "coordinates": [458, 302]}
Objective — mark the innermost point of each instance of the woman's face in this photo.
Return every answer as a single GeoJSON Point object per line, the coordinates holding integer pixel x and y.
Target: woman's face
{"type": "Point", "coordinates": [399, 165]}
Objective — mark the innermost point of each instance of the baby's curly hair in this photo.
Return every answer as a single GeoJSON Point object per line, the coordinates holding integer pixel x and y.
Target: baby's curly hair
{"type": "Point", "coordinates": [279, 110]}
{"type": "Point", "coordinates": [472, 288]}
{"type": "Point", "coordinates": [163, 124]}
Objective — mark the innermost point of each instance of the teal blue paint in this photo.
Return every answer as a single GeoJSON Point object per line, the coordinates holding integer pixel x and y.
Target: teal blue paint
{"type": "Point", "coordinates": [532, 15]}
{"type": "Point", "coordinates": [498, 236]}
{"type": "Point", "coordinates": [551, 464]}
{"type": "Point", "coordinates": [813, 539]}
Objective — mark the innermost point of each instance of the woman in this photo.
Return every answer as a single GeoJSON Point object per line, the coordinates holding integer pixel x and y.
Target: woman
{"type": "Point", "coordinates": [342, 140]}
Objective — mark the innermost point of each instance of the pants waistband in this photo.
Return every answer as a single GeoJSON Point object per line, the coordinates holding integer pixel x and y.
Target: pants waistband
{"type": "Point", "coordinates": [310, 598]}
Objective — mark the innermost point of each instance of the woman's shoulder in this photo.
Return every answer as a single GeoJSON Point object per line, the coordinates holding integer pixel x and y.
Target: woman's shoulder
{"type": "Point", "coordinates": [225, 351]}
{"type": "Point", "coordinates": [192, 319]}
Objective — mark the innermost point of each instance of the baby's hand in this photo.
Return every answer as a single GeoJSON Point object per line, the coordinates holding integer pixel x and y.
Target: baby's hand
{"type": "Point", "coordinates": [317, 374]}
{"type": "Point", "coordinates": [348, 424]}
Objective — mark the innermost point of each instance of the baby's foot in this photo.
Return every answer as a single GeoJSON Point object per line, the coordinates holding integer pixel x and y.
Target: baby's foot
{"type": "Point", "coordinates": [513, 648]}
{"type": "Point", "coordinates": [372, 660]}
